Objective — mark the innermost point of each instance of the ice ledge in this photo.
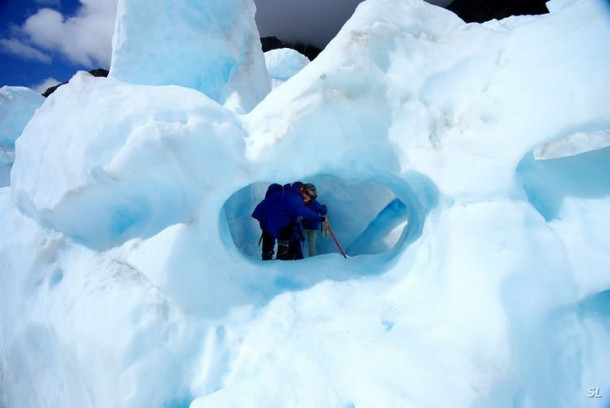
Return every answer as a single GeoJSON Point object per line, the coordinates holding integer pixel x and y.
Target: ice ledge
{"type": "Point", "coordinates": [573, 144]}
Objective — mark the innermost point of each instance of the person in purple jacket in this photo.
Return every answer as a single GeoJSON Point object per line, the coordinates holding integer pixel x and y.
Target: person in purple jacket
{"type": "Point", "coordinates": [279, 216]}
{"type": "Point", "coordinates": [310, 228]}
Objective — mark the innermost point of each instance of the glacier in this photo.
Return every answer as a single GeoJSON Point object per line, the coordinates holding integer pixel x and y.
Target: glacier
{"type": "Point", "coordinates": [466, 169]}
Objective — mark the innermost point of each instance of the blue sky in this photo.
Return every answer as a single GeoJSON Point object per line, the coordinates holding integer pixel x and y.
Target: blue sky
{"type": "Point", "coordinates": [49, 40]}
{"type": "Point", "coordinates": [43, 42]}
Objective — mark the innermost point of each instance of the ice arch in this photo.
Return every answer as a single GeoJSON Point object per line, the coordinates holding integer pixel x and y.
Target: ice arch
{"type": "Point", "coordinates": [370, 216]}
{"type": "Point", "coordinates": [547, 183]}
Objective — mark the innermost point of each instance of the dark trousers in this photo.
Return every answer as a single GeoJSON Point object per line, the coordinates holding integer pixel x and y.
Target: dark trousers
{"type": "Point", "coordinates": [268, 246]}
{"type": "Point", "coordinates": [289, 243]}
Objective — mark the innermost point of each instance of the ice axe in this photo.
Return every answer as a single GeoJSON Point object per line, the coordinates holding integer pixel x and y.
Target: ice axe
{"type": "Point", "coordinates": [327, 227]}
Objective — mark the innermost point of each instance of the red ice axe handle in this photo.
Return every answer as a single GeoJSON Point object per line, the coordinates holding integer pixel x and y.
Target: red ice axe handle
{"type": "Point", "coordinates": [335, 238]}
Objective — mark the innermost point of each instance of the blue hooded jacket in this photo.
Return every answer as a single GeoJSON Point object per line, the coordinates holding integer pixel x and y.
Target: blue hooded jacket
{"type": "Point", "coordinates": [282, 209]}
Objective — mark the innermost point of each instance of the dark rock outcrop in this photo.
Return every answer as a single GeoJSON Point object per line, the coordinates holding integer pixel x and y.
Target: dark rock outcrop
{"type": "Point", "coordinates": [272, 43]}
{"type": "Point", "coordinates": [479, 11]}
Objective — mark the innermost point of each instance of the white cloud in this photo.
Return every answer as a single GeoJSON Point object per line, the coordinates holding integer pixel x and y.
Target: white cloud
{"type": "Point", "coordinates": [85, 38]}
{"type": "Point", "coordinates": [44, 85]}
{"type": "Point", "coordinates": [18, 48]}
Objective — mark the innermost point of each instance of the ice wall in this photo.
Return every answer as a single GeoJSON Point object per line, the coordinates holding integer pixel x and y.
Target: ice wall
{"type": "Point", "coordinates": [17, 106]}
{"type": "Point", "coordinates": [212, 46]}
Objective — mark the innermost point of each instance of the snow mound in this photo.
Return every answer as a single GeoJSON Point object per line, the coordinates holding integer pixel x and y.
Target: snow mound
{"type": "Point", "coordinates": [127, 164]}
{"type": "Point", "coordinates": [284, 63]}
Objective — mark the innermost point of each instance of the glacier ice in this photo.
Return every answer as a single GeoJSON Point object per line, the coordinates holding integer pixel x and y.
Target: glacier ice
{"type": "Point", "coordinates": [129, 274]}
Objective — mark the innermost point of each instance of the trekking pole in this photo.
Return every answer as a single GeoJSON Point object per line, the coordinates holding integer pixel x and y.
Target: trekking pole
{"type": "Point", "coordinates": [327, 225]}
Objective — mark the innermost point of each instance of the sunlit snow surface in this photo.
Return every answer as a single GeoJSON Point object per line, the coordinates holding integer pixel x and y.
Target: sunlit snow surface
{"type": "Point", "coordinates": [477, 276]}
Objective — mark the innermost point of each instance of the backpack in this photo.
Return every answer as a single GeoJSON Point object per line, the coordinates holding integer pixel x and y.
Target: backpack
{"type": "Point", "coordinates": [273, 188]}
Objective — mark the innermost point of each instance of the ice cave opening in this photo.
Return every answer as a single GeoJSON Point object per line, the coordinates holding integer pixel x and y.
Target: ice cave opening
{"type": "Point", "coordinates": [369, 216]}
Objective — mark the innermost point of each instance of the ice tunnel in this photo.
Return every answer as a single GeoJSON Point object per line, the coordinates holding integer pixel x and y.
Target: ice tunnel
{"type": "Point", "coordinates": [369, 216]}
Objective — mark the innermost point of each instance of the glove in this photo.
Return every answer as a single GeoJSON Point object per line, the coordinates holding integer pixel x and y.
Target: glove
{"type": "Point", "coordinates": [323, 219]}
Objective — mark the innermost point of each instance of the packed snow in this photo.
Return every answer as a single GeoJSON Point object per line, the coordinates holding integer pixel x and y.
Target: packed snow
{"type": "Point", "coordinates": [466, 169]}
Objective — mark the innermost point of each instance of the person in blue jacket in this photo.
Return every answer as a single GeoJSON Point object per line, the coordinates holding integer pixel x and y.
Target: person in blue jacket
{"type": "Point", "coordinates": [310, 228]}
{"type": "Point", "coordinates": [279, 216]}
{"type": "Point", "coordinates": [268, 249]}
